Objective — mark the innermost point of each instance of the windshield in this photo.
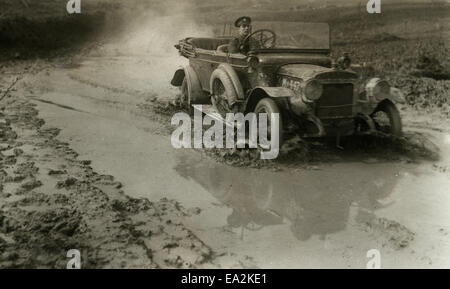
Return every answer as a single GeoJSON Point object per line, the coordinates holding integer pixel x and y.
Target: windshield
{"type": "Point", "coordinates": [290, 35]}
{"type": "Point", "coordinates": [295, 35]}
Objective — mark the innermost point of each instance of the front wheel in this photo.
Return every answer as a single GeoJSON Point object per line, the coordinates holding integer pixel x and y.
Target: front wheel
{"type": "Point", "coordinates": [387, 118]}
{"type": "Point", "coordinates": [268, 106]}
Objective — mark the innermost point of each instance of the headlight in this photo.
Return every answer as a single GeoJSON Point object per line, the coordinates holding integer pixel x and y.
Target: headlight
{"type": "Point", "coordinates": [378, 89]}
{"type": "Point", "coordinates": [313, 90]}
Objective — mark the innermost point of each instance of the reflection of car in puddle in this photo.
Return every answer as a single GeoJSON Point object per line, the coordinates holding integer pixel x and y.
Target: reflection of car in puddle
{"type": "Point", "coordinates": [313, 202]}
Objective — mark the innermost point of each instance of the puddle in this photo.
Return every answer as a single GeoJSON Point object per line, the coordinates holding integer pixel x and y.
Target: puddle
{"type": "Point", "coordinates": [314, 202]}
{"type": "Point", "coordinates": [326, 217]}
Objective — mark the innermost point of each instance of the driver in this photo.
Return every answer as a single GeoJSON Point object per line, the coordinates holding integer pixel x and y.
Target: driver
{"type": "Point", "coordinates": [237, 44]}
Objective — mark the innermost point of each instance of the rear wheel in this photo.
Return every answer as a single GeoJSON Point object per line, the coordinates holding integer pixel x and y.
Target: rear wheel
{"type": "Point", "coordinates": [186, 97]}
{"type": "Point", "coordinates": [268, 106]}
{"type": "Point", "coordinates": [223, 93]}
{"type": "Point", "coordinates": [387, 119]}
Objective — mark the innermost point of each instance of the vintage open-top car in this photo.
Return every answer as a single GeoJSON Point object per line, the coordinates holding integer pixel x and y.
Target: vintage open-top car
{"type": "Point", "coordinates": [288, 70]}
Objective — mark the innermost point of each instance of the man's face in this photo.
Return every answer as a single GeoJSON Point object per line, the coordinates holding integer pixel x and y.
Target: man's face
{"type": "Point", "coordinates": [244, 30]}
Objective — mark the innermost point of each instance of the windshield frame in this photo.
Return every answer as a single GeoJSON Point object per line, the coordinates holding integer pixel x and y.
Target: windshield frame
{"type": "Point", "coordinates": [324, 45]}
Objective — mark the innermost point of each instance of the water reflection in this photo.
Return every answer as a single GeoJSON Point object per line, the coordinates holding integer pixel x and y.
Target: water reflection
{"type": "Point", "coordinates": [312, 202]}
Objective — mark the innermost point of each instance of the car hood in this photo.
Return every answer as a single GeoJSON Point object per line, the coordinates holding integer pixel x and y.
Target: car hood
{"type": "Point", "coordinates": [309, 71]}
{"type": "Point", "coordinates": [279, 59]}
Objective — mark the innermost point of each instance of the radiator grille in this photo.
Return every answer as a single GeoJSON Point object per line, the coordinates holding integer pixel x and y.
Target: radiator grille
{"type": "Point", "coordinates": [336, 101]}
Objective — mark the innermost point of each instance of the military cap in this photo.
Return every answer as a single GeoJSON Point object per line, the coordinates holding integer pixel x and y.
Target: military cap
{"type": "Point", "coordinates": [243, 20]}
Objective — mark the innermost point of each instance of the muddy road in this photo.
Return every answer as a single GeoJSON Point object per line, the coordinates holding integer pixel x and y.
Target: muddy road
{"type": "Point", "coordinates": [326, 213]}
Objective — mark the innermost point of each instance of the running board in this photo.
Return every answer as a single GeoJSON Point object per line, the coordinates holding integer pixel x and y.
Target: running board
{"type": "Point", "coordinates": [210, 111]}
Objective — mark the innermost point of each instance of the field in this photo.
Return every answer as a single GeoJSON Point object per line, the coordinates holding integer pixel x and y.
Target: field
{"type": "Point", "coordinates": [404, 44]}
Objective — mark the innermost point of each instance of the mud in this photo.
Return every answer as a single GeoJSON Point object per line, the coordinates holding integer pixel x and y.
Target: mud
{"type": "Point", "coordinates": [53, 202]}
{"type": "Point", "coordinates": [76, 181]}
{"type": "Point", "coordinates": [295, 151]}
{"type": "Point", "coordinates": [330, 198]}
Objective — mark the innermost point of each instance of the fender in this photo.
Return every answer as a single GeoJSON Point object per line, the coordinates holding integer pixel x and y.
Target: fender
{"type": "Point", "coordinates": [280, 95]}
{"type": "Point", "coordinates": [196, 94]}
{"type": "Point", "coordinates": [394, 94]}
{"type": "Point", "coordinates": [178, 77]}
{"type": "Point", "coordinates": [234, 79]}
{"type": "Point", "coordinates": [274, 92]}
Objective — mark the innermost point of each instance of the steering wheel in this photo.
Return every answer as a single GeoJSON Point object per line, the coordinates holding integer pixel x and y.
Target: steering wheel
{"type": "Point", "coordinates": [264, 37]}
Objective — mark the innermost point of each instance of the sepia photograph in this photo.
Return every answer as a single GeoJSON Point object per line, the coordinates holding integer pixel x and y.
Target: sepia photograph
{"type": "Point", "coordinates": [236, 135]}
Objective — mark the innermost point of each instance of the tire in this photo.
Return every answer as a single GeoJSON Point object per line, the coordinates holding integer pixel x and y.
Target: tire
{"type": "Point", "coordinates": [269, 106]}
{"type": "Point", "coordinates": [186, 97]}
{"type": "Point", "coordinates": [223, 92]}
{"type": "Point", "coordinates": [392, 113]}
